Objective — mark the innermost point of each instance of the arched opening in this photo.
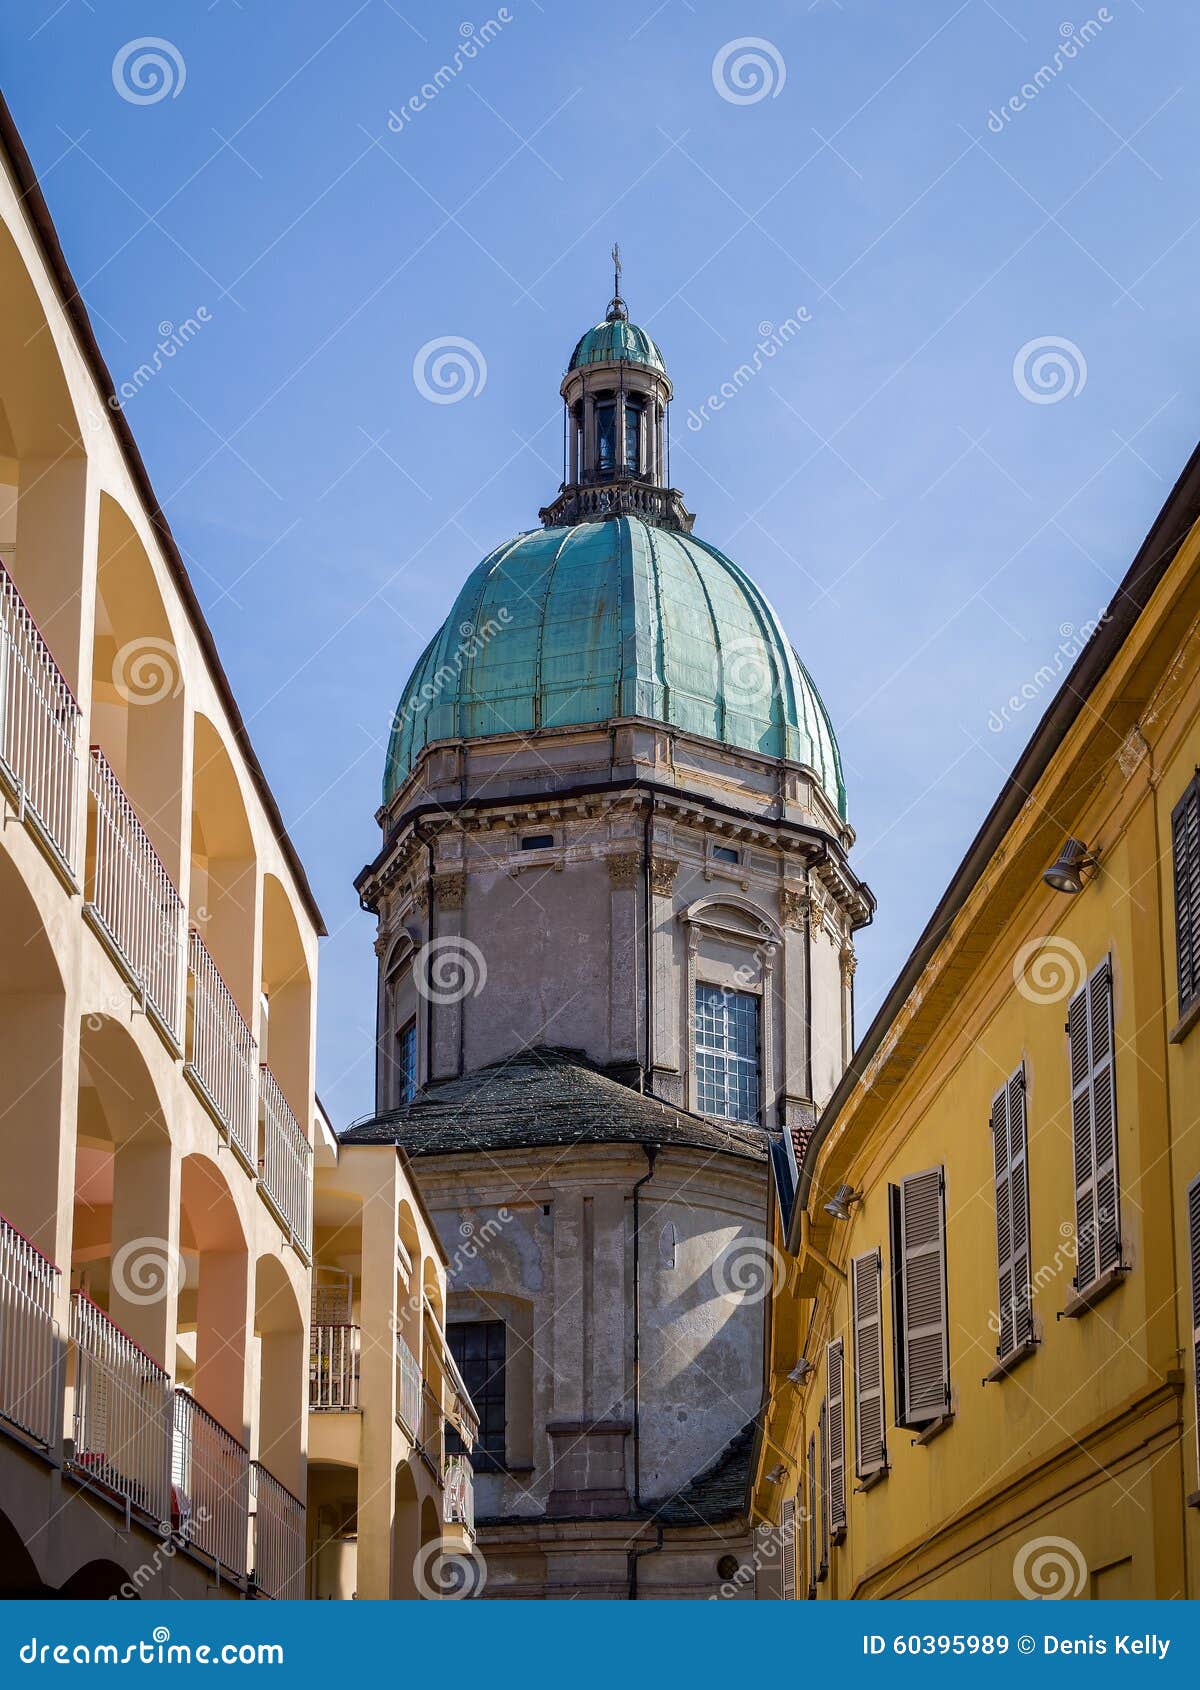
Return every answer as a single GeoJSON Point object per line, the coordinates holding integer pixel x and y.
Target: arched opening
{"type": "Point", "coordinates": [285, 1029]}
{"type": "Point", "coordinates": [406, 1536]}
{"type": "Point", "coordinates": [223, 896]}
{"type": "Point", "coordinates": [99, 1581]}
{"type": "Point", "coordinates": [332, 1528]}
{"type": "Point", "coordinates": [279, 1330]}
{"type": "Point", "coordinates": [19, 1576]}
{"type": "Point", "coordinates": [215, 1297]}
{"type": "Point", "coordinates": [43, 468]}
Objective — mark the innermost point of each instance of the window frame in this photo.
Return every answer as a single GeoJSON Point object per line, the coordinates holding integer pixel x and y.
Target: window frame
{"type": "Point", "coordinates": [1093, 1003]}
{"type": "Point", "coordinates": [1187, 933]}
{"type": "Point", "coordinates": [725, 1062]}
{"type": "Point", "coordinates": [405, 1093]}
{"type": "Point", "coordinates": [904, 1254]}
{"type": "Point", "coordinates": [484, 1400]}
{"type": "Point", "coordinates": [1014, 1253]}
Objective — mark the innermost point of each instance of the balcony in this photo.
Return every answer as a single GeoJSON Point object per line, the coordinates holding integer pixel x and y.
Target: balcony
{"type": "Point", "coordinates": [278, 1518]}
{"type": "Point", "coordinates": [133, 902]}
{"type": "Point", "coordinates": [460, 1410]}
{"type": "Point", "coordinates": [39, 729]}
{"type": "Point", "coordinates": [210, 1473]}
{"type": "Point", "coordinates": [29, 1376]}
{"type": "Point", "coordinates": [284, 1168]}
{"type": "Point", "coordinates": [408, 1390]}
{"type": "Point", "coordinates": [433, 1428]}
{"type": "Point", "coordinates": [122, 1414]}
{"type": "Point", "coordinates": [458, 1494]}
{"type": "Point", "coordinates": [333, 1367]}
{"type": "Point", "coordinates": [222, 1057]}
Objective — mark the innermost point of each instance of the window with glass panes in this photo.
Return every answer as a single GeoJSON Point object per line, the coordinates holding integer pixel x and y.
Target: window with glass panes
{"type": "Point", "coordinates": [478, 1346]}
{"type": "Point", "coordinates": [727, 1063]}
{"type": "Point", "coordinates": [406, 1062]}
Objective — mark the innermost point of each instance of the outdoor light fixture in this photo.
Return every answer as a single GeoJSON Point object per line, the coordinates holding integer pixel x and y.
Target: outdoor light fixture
{"type": "Point", "coordinates": [776, 1474]}
{"type": "Point", "coordinates": [801, 1371]}
{"type": "Point", "coordinates": [1065, 873]}
{"type": "Point", "coordinates": [839, 1204]}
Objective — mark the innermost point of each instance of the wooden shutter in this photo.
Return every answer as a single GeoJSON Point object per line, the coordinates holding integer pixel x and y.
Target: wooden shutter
{"type": "Point", "coordinates": [1094, 1127]}
{"type": "Point", "coordinates": [1185, 853]}
{"type": "Point", "coordinates": [1010, 1146]}
{"type": "Point", "coordinates": [1193, 1199]}
{"type": "Point", "coordinates": [823, 1429]}
{"type": "Point", "coordinates": [926, 1335]}
{"type": "Point", "coordinates": [835, 1374]}
{"type": "Point", "coordinates": [866, 1299]}
{"type": "Point", "coordinates": [895, 1240]}
{"type": "Point", "coordinates": [787, 1526]}
{"type": "Point", "coordinates": [813, 1573]}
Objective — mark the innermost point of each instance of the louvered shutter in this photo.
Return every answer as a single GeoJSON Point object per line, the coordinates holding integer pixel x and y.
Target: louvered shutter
{"type": "Point", "coordinates": [835, 1374]}
{"type": "Point", "coordinates": [813, 1573]}
{"type": "Point", "coordinates": [1193, 1198]}
{"type": "Point", "coordinates": [1185, 853]}
{"type": "Point", "coordinates": [787, 1526]}
{"type": "Point", "coordinates": [866, 1296]}
{"type": "Point", "coordinates": [1010, 1150]}
{"type": "Point", "coordinates": [1094, 1127]}
{"type": "Point", "coordinates": [926, 1336]}
{"type": "Point", "coordinates": [823, 1429]}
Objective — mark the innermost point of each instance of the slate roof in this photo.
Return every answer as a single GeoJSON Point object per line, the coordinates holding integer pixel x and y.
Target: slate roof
{"type": "Point", "coordinates": [719, 1493]}
{"type": "Point", "coordinates": [545, 1096]}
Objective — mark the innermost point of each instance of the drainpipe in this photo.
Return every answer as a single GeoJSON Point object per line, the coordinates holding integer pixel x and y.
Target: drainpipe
{"type": "Point", "coordinates": [635, 1555]}
{"type": "Point", "coordinates": [648, 943]}
{"type": "Point", "coordinates": [652, 1151]}
{"type": "Point", "coordinates": [429, 953]}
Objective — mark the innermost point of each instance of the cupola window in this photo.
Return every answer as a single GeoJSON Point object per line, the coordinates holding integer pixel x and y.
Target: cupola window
{"type": "Point", "coordinates": [727, 1059]}
{"type": "Point", "coordinates": [606, 437]}
{"type": "Point", "coordinates": [633, 438]}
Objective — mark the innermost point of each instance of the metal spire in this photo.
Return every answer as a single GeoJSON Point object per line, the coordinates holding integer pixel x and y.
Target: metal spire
{"type": "Point", "coordinates": [617, 309]}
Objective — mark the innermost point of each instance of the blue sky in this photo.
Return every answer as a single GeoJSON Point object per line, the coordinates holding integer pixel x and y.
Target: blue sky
{"type": "Point", "coordinates": [935, 505]}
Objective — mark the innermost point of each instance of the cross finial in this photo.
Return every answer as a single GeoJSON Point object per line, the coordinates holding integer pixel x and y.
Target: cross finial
{"type": "Point", "coordinates": [616, 306]}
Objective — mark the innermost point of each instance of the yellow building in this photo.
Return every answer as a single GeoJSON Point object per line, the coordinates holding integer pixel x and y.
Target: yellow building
{"type": "Point", "coordinates": [985, 1334]}
{"type": "Point", "coordinates": [158, 958]}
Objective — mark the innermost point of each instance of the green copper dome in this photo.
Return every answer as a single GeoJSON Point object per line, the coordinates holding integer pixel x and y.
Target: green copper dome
{"type": "Point", "coordinates": [613, 339]}
{"type": "Point", "coordinates": [563, 627]}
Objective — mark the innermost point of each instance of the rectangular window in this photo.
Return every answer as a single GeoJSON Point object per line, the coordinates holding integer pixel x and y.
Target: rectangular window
{"type": "Point", "coordinates": [406, 1062]}
{"type": "Point", "coordinates": [1094, 1128]}
{"type": "Point", "coordinates": [835, 1471]}
{"type": "Point", "coordinates": [919, 1314]}
{"type": "Point", "coordinates": [813, 1568]}
{"type": "Point", "coordinates": [633, 436]}
{"type": "Point", "coordinates": [787, 1531]}
{"type": "Point", "coordinates": [537, 841]}
{"type": "Point", "coordinates": [1010, 1154]}
{"type": "Point", "coordinates": [727, 1062]}
{"type": "Point", "coordinates": [1193, 1202]}
{"type": "Point", "coordinates": [1185, 854]}
{"type": "Point", "coordinates": [823, 1443]}
{"type": "Point", "coordinates": [478, 1346]}
{"type": "Point", "coordinates": [606, 438]}
{"type": "Point", "coordinates": [866, 1295]}
{"type": "Point", "coordinates": [725, 854]}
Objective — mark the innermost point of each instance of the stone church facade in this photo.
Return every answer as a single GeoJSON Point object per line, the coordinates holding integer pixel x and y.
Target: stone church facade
{"type": "Point", "coordinates": [615, 941]}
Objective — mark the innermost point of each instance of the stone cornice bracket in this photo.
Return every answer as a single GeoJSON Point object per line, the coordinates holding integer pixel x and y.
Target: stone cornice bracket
{"type": "Point", "coordinates": [794, 908]}
{"type": "Point", "coordinates": [382, 944]}
{"type": "Point", "coordinates": [848, 962]}
{"type": "Point", "coordinates": [624, 867]}
{"type": "Point", "coordinates": [450, 890]}
{"type": "Point", "coordinates": [662, 876]}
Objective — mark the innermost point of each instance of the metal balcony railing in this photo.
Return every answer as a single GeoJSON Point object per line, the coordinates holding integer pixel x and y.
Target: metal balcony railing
{"type": "Point", "coordinates": [408, 1389]}
{"type": "Point", "coordinates": [30, 1385]}
{"type": "Point", "coordinates": [133, 900]}
{"type": "Point", "coordinates": [278, 1536]}
{"type": "Point", "coordinates": [210, 1475]}
{"type": "Point", "coordinates": [458, 1492]}
{"type": "Point", "coordinates": [222, 1057]}
{"type": "Point", "coordinates": [122, 1413]}
{"type": "Point", "coordinates": [433, 1427]}
{"type": "Point", "coordinates": [285, 1164]}
{"type": "Point", "coordinates": [459, 1408]}
{"type": "Point", "coordinates": [333, 1367]}
{"type": "Point", "coordinates": [39, 726]}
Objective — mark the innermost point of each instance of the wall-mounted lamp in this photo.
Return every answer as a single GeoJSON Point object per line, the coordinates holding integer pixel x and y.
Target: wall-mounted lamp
{"type": "Point", "coordinates": [776, 1474]}
{"type": "Point", "coordinates": [839, 1204]}
{"type": "Point", "coordinates": [801, 1371]}
{"type": "Point", "coordinates": [1066, 872]}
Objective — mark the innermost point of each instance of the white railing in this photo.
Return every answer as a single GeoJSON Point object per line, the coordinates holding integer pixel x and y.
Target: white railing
{"type": "Point", "coordinates": [133, 898]}
{"type": "Point", "coordinates": [39, 724]}
{"type": "Point", "coordinates": [433, 1427]}
{"type": "Point", "coordinates": [408, 1389]}
{"type": "Point", "coordinates": [210, 1474]}
{"type": "Point", "coordinates": [460, 1408]}
{"type": "Point", "coordinates": [458, 1493]}
{"type": "Point", "coordinates": [222, 1055]}
{"type": "Point", "coordinates": [29, 1378]}
{"type": "Point", "coordinates": [333, 1367]}
{"type": "Point", "coordinates": [122, 1413]}
{"type": "Point", "coordinates": [278, 1536]}
{"type": "Point", "coordinates": [285, 1167]}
